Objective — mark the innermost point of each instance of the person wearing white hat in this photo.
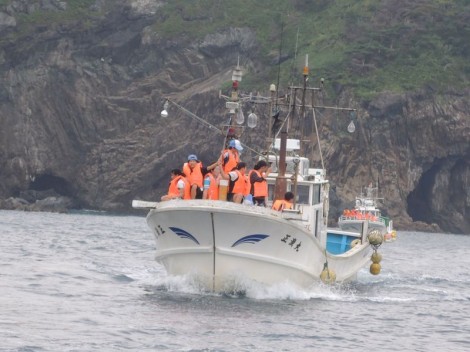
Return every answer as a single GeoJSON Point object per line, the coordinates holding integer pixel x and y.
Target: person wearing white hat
{"type": "Point", "coordinates": [231, 155]}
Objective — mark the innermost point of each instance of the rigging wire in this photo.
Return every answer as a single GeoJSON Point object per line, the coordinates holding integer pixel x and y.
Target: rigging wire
{"type": "Point", "coordinates": [318, 138]}
{"type": "Point", "coordinates": [292, 69]}
{"type": "Point", "coordinates": [207, 124]}
{"type": "Point", "coordinates": [274, 114]}
{"type": "Point", "coordinates": [279, 66]}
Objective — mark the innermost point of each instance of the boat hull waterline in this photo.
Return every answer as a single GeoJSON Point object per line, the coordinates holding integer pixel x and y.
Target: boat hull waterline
{"type": "Point", "coordinates": [219, 241]}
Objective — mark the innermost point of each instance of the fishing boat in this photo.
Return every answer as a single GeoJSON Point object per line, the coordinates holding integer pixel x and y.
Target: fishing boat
{"type": "Point", "coordinates": [366, 210]}
{"type": "Point", "coordinates": [222, 244]}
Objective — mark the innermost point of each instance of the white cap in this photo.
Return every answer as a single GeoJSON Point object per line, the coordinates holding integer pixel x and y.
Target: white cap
{"type": "Point", "coordinates": [238, 145]}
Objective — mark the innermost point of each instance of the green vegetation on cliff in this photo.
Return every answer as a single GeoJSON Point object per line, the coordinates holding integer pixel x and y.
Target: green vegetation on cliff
{"type": "Point", "coordinates": [369, 44]}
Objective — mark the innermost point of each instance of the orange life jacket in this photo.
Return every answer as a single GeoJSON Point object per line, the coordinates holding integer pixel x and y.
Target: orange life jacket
{"type": "Point", "coordinates": [194, 175]}
{"type": "Point", "coordinates": [282, 204]}
{"type": "Point", "coordinates": [174, 191]}
{"type": "Point", "coordinates": [233, 159]}
{"type": "Point", "coordinates": [213, 191]}
{"type": "Point", "coordinates": [260, 189]}
{"type": "Point", "coordinates": [240, 185]}
{"type": "Point", "coordinates": [247, 185]}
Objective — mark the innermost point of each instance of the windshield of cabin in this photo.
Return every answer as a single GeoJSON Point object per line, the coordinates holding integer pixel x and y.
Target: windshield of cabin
{"type": "Point", "coordinates": [303, 194]}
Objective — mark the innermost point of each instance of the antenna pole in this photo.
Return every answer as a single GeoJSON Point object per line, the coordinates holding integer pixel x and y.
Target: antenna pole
{"type": "Point", "coordinates": [302, 107]}
{"type": "Point", "coordinates": [281, 180]}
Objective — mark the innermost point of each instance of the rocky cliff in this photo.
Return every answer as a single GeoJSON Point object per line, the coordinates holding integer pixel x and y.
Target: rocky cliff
{"type": "Point", "coordinates": [80, 106]}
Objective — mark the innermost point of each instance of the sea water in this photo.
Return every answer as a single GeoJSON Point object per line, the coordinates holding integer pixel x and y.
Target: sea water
{"type": "Point", "coordinates": [88, 282]}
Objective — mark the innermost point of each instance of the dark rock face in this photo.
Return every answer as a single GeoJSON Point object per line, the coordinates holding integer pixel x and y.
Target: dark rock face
{"type": "Point", "coordinates": [57, 204]}
{"type": "Point", "coordinates": [417, 147]}
{"type": "Point", "coordinates": [81, 124]}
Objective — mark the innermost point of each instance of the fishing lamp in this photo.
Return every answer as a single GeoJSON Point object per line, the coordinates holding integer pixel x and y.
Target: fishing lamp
{"type": "Point", "coordinates": [252, 120]}
{"type": "Point", "coordinates": [164, 112]}
{"type": "Point", "coordinates": [351, 126]}
{"type": "Point", "coordinates": [240, 117]}
{"type": "Point", "coordinates": [305, 71]}
{"type": "Point", "coordinates": [236, 78]}
{"type": "Point", "coordinates": [237, 75]}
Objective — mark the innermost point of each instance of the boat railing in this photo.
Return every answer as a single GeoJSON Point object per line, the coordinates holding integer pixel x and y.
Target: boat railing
{"type": "Point", "coordinates": [292, 214]}
{"type": "Point", "coordinates": [291, 211]}
{"type": "Point", "coordinates": [361, 217]}
{"type": "Point", "coordinates": [344, 217]}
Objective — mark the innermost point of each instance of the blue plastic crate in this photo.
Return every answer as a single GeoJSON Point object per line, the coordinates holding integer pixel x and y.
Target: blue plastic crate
{"type": "Point", "coordinates": [338, 243]}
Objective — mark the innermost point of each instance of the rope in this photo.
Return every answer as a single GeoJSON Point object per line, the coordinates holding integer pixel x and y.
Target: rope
{"type": "Point", "coordinates": [194, 116]}
{"type": "Point", "coordinates": [318, 138]}
{"type": "Point", "coordinates": [226, 135]}
{"type": "Point", "coordinates": [209, 125]}
{"type": "Point", "coordinates": [325, 266]}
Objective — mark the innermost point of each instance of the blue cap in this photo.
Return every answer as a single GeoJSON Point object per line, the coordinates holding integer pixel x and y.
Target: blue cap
{"type": "Point", "coordinates": [192, 157]}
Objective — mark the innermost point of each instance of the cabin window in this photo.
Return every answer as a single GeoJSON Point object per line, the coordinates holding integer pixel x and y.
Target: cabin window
{"type": "Point", "coordinates": [316, 223]}
{"type": "Point", "coordinates": [270, 192]}
{"type": "Point", "coordinates": [303, 194]}
{"type": "Point", "coordinates": [316, 194]}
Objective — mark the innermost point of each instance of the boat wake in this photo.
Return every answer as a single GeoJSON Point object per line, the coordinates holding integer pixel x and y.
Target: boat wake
{"type": "Point", "coordinates": [242, 287]}
{"type": "Point", "coordinates": [387, 288]}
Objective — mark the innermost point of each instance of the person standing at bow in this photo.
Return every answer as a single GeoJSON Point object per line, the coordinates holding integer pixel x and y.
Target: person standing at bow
{"type": "Point", "coordinates": [195, 173]}
{"type": "Point", "coordinates": [238, 183]}
{"type": "Point", "coordinates": [211, 184]}
{"type": "Point", "coordinates": [285, 203]}
{"type": "Point", "coordinates": [231, 155]}
{"type": "Point", "coordinates": [179, 186]}
{"type": "Point", "coordinates": [259, 185]}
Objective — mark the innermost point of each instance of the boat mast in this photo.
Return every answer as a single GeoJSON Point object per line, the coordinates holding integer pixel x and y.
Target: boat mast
{"type": "Point", "coordinates": [280, 187]}
{"type": "Point", "coordinates": [281, 180]}
{"type": "Point", "coordinates": [304, 91]}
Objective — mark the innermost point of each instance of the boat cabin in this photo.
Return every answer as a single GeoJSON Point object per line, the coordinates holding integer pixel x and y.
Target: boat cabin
{"type": "Point", "coordinates": [306, 186]}
{"type": "Point", "coordinates": [305, 182]}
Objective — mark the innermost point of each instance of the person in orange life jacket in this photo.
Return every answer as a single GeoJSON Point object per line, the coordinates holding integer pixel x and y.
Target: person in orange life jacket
{"type": "Point", "coordinates": [238, 185]}
{"type": "Point", "coordinates": [259, 185]}
{"type": "Point", "coordinates": [211, 184]}
{"type": "Point", "coordinates": [231, 156]}
{"type": "Point", "coordinates": [285, 203]}
{"type": "Point", "coordinates": [179, 186]}
{"type": "Point", "coordinates": [195, 173]}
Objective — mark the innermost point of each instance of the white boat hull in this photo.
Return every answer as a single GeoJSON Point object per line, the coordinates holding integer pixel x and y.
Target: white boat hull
{"type": "Point", "coordinates": [218, 242]}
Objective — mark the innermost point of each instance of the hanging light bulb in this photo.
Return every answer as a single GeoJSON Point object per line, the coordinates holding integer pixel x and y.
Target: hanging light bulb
{"type": "Point", "coordinates": [351, 127]}
{"type": "Point", "coordinates": [252, 120]}
{"type": "Point", "coordinates": [164, 112]}
{"type": "Point", "coordinates": [240, 118]}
